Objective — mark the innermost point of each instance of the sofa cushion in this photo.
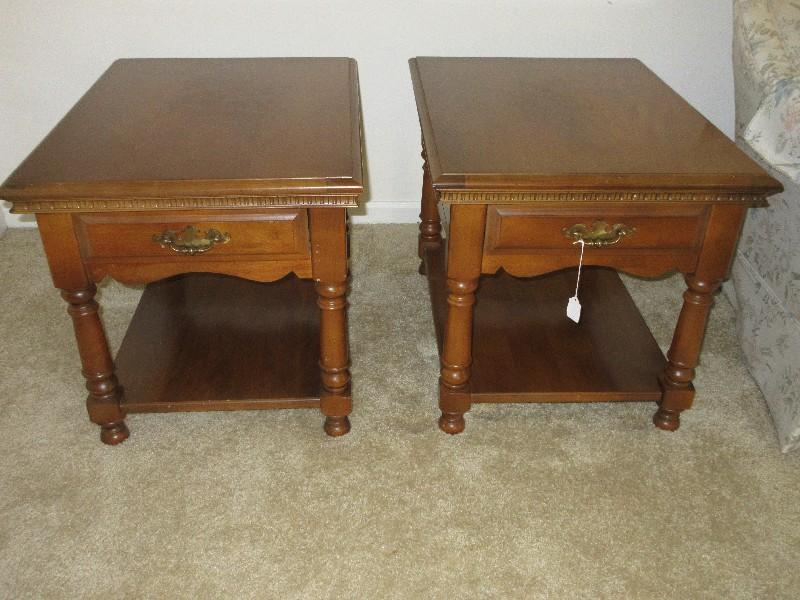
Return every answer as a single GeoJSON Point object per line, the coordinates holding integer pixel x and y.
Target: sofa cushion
{"type": "Point", "coordinates": [767, 67]}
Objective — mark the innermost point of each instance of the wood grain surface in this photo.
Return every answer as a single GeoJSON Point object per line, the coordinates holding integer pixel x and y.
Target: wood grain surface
{"type": "Point", "coordinates": [569, 124]}
{"type": "Point", "coordinates": [183, 127]}
{"type": "Point", "coordinates": [528, 351]}
{"type": "Point", "coordinates": [210, 342]}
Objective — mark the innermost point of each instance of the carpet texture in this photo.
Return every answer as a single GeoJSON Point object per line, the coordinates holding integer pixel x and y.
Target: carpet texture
{"type": "Point", "coordinates": [532, 501]}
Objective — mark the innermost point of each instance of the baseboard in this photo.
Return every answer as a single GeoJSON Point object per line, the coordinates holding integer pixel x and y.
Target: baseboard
{"type": "Point", "coordinates": [3, 225]}
{"type": "Point", "coordinates": [386, 212]}
{"type": "Point", "coordinates": [19, 220]}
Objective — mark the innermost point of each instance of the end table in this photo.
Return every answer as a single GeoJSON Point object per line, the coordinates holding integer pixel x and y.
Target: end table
{"type": "Point", "coordinates": [526, 156]}
{"type": "Point", "coordinates": [223, 184]}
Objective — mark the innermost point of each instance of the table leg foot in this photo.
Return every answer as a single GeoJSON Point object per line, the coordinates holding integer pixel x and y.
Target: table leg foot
{"type": "Point", "coordinates": [452, 423]}
{"type": "Point", "coordinates": [114, 433]}
{"type": "Point", "coordinates": [667, 419]}
{"type": "Point", "coordinates": [337, 426]}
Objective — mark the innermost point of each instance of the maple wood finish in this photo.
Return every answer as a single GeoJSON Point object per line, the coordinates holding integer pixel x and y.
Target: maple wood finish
{"type": "Point", "coordinates": [194, 175]}
{"type": "Point", "coordinates": [519, 153]}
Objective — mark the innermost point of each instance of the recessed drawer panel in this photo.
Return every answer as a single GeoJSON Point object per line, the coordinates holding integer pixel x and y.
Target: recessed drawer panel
{"type": "Point", "coordinates": [207, 235]}
{"type": "Point", "coordinates": [511, 229]}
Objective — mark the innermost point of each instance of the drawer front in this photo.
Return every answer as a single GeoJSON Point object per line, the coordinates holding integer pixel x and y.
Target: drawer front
{"type": "Point", "coordinates": [208, 235]}
{"type": "Point", "coordinates": [530, 240]}
{"type": "Point", "coordinates": [517, 229]}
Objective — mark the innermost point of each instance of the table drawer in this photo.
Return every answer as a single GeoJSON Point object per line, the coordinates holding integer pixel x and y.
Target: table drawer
{"type": "Point", "coordinates": [515, 229]}
{"type": "Point", "coordinates": [210, 235]}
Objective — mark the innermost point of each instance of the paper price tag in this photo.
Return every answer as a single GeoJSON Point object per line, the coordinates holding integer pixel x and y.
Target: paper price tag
{"type": "Point", "coordinates": [574, 309]}
{"type": "Point", "coordinates": [573, 304]}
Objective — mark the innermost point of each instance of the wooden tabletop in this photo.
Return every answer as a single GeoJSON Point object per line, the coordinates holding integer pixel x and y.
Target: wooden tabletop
{"type": "Point", "coordinates": [210, 127]}
{"type": "Point", "coordinates": [570, 124]}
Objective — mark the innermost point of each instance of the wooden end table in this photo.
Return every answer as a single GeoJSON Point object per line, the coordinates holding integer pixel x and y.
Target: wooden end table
{"type": "Point", "coordinates": [180, 173]}
{"type": "Point", "coordinates": [526, 156]}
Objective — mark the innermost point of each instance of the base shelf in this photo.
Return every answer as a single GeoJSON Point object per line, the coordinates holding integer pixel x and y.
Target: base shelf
{"type": "Point", "coordinates": [202, 342]}
{"type": "Point", "coordinates": [525, 348]}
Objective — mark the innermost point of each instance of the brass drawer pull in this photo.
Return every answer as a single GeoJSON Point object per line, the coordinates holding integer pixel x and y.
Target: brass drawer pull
{"type": "Point", "coordinates": [191, 241]}
{"type": "Point", "coordinates": [601, 233]}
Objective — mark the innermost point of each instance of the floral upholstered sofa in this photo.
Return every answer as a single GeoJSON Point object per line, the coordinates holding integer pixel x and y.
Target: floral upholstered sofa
{"type": "Point", "coordinates": [765, 281]}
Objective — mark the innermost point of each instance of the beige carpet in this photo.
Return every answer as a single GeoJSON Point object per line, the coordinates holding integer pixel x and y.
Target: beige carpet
{"type": "Point", "coordinates": [532, 501]}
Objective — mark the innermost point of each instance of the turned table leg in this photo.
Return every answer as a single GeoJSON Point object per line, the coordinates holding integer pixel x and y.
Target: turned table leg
{"type": "Point", "coordinates": [454, 396]}
{"type": "Point", "coordinates": [334, 362]}
{"type": "Point", "coordinates": [329, 263]}
{"type": "Point", "coordinates": [683, 355]}
{"type": "Point", "coordinates": [69, 275]}
{"type": "Point", "coordinates": [430, 226]}
{"type": "Point", "coordinates": [714, 260]}
{"type": "Point", "coordinates": [465, 252]}
{"type": "Point", "coordinates": [103, 402]}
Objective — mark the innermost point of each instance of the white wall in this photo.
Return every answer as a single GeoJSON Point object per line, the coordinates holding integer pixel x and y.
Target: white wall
{"type": "Point", "coordinates": [52, 50]}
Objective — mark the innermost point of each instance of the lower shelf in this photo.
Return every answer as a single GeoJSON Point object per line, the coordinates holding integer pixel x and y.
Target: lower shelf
{"type": "Point", "coordinates": [209, 342]}
{"type": "Point", "coordinates": [525, 349]}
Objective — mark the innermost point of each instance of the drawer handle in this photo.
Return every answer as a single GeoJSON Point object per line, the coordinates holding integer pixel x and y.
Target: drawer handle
{"type": "Point", "coordinates": [191, 240]}
{"type": "Point", "coordinates": [600, 234]}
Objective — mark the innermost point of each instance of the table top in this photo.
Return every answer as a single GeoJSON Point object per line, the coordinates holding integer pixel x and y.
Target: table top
{"type": "Point", "coordinates": [570, 124]}
{"type": "Point", "coordinates": [208, 127]}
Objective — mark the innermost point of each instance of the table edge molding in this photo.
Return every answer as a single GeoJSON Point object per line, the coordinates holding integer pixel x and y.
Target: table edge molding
{"type": "Point", "coordinates": [22, 206]}
{"type": "Point", "coordinates": [526, 197]}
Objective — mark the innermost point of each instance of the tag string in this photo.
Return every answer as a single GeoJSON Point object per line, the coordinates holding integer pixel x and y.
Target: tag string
{"type": "Point", "coordinates": [580, 264]}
